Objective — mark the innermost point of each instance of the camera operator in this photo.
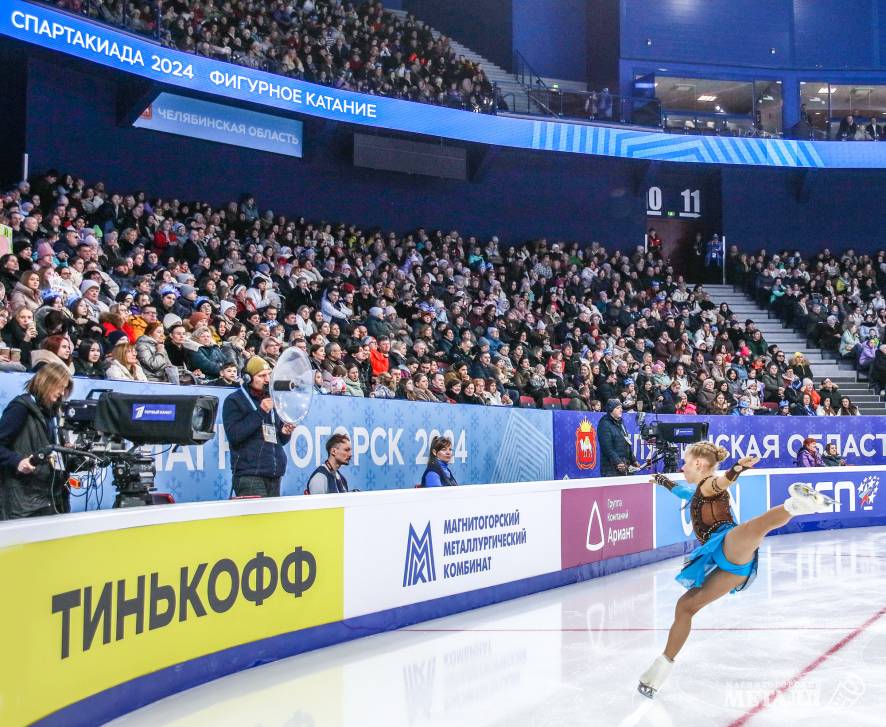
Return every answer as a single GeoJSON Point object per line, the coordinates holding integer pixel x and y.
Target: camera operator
{"type": "Point", "coordinates": [28, 424]}
{"type": "Point", "coordinates": [327, 479]}
{"type": "Point", "coordinates": [616, 453]}
{"type": "Point", "coordinates": [256, 435]}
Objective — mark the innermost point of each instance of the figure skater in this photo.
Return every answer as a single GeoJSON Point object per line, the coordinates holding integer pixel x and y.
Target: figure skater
{"type": "Point", "coordinates": [726, 559]}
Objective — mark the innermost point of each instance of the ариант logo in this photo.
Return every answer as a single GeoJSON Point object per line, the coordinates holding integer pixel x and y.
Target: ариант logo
{"type": "Point", "coordinates": [419, 566]}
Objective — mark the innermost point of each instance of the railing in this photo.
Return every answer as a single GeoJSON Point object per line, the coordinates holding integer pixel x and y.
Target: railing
{"type": "Point", "coordinates": [525, 73]}
{"type": "Point", "coordinates": [598, 106]}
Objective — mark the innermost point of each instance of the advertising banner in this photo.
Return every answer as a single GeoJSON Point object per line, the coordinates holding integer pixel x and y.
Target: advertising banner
{"type": "Point", "coordinates": [116, 49]}
{"type": "Point", "coordinates": [423, 548]}
{"type": "Point", "coordinates": [5, 239]}
{"type": "Point", "coordinates": [856, 495]}
{"type": "Point", "coordinates": [749, 498]}
{"type": "Point", "coordinates": [603, 522]}
{"type": "Point", "coordinates": [104, 608]}
{"type": "Point", "coordinates": [224, 124]}
{"type": "Point", "coordinates": [391, 442]}
{"type": "Point", "coordinates": [776, 440]}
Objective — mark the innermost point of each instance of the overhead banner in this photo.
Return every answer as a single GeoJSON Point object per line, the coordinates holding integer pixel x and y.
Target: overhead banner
{"type": "Point", "coordinates": [776, 440]}
{"type": "Point", "coordinates": [198, 119]}
{"type": "Point", "coordinates": [391, 442]}
{"type": "Point", "coordinates": [90, 41]}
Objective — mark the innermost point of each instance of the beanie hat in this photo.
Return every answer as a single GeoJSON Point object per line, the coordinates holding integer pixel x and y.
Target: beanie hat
{"type": "Point", "coordinates": [612, 405]}
{"type": "Point", "coordinates": [187, 290]}
{"type": "Point", "coordinates": [256, 365]}
{"type": "Point", "coordinates": [226, 305]}
{"type": "Point", "coordinates": [170, 320]}
{"type": "Point", "coordinates": [44, 249]}
{"type": "Point", "coordinates": [87, 285]}
{"type": "Point", "coordinates": [115, 337]}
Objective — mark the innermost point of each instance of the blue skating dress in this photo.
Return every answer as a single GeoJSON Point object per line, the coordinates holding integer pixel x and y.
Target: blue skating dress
{"type": "Point", "coordinates": [712, 519]}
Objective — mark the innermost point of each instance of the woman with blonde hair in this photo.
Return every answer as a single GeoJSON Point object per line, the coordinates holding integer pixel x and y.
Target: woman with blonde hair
{"type": "Point", "coordinates": [726, 558]}
{"type": "Point", "coordinates": [800, 366]}
{"type": "Point", "coordinates": [124, 364]}
{"type": "Point", "coordinates": [27, 425]}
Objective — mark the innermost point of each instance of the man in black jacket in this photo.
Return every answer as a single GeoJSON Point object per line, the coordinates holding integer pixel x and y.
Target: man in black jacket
{"type": "Point", "coordinates": [616, 453]}
{"type": "Point", "coordinates": [256, 434]}
{"type": "Point", "coordinates": [327, 478]}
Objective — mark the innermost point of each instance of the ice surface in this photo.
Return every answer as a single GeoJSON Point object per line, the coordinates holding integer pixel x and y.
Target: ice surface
{"type": "Point", "coordinates": [572, 656]}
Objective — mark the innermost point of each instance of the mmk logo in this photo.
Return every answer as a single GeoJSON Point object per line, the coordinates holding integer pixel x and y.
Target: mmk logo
{"type": "Point", "coordinates": [419, 566]}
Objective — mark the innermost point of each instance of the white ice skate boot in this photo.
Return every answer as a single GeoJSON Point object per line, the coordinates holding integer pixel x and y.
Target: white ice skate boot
{"type": "Point", "coordinates": [806, 501]}
{"type": "Point", "coordinates": [654, 677]}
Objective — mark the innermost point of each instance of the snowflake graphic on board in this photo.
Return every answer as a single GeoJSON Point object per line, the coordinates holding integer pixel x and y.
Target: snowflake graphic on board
{"type": "Point", "coordinates": [867, 491]}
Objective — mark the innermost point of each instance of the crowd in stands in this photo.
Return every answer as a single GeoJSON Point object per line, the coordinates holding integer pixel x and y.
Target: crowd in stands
{"type": "Point", "coordinates": [350, 46]}
{"type": "Point", "coordinates": [835, 300]}
{"type": "Point", "coordinates": [118, 285]}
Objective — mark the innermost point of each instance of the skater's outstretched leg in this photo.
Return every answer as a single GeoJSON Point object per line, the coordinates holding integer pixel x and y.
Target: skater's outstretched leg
{"type": "Point", "coordinates": [743, 540]}
{"type": "Point", "coordinates": [718, 584]}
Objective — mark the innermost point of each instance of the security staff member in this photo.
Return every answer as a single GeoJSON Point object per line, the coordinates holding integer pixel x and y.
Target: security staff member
{"type": "Point", "coordinates": [616, 453]}
{"type": "Point", "coordinates": [256, 434]}
{"type": "Point", "coordinates": [327, 478]}
{"type": "Point", "coordinates": [30, 423]}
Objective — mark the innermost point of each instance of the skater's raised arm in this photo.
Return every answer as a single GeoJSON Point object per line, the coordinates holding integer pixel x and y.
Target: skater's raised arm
{"type": "Point", "coordinates": [684, 492]}
{"type": "Point", "coordinates": [716, 485]}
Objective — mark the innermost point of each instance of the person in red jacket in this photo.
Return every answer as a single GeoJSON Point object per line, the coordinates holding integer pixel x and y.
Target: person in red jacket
{"type": "Point", "coordinates": [378, 354]}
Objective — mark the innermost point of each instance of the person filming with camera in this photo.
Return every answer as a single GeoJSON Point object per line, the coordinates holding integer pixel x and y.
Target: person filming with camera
{"type": "Point", "coordinates": [28, 424]}
{"type": "Point", "coordinates": [256, 434]}
{"type": "Point", "coordinates": [616, 454]}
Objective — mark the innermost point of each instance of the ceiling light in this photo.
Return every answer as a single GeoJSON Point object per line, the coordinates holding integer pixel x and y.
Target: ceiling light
{"type": "Point", "coordinates": [707, 98]}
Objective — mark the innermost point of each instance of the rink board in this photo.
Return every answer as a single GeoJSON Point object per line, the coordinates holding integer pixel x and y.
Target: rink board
{"type": "Point", "coordinates": [119, 609]}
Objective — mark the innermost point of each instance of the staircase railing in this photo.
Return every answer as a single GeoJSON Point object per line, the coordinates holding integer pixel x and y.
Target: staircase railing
{"type": "Point", "coordinates": [525, 73]}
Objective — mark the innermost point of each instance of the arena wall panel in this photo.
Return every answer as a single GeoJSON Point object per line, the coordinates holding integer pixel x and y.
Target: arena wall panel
{"type": "Point", "coordinates": [152, 601]}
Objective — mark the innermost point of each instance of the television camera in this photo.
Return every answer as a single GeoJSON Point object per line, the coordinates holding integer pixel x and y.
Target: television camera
{"type": "Point", "coordinates": [110, 429]}
{"type": "Point", "coordinates": [665, 438]}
